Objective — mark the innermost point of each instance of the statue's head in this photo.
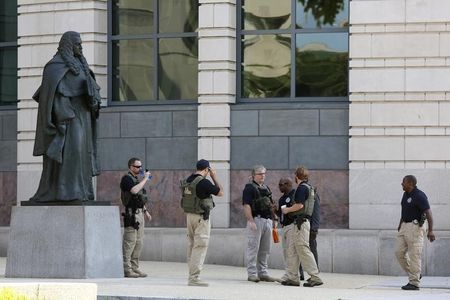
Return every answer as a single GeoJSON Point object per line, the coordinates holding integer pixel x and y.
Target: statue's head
{"type": "Point", "coordinates": [70, 44]}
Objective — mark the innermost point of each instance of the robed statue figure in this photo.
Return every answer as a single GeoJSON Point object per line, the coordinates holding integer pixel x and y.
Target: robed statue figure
{"type": "Point", "coordinates": [69, 103]}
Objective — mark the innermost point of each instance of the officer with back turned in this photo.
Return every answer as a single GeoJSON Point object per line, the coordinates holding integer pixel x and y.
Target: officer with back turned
{"type": "Point", "coordinates": [134, 198]}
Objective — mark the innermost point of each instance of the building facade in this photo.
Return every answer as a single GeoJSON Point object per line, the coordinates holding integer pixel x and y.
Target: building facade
{"type": "Point", "coordinates": [358, 92]}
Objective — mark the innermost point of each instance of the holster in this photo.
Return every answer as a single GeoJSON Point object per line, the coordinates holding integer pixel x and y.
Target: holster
{"type": "Point", "coordinates": [299, 220]}
{"type": "Point", "coordinates": [129, 218]}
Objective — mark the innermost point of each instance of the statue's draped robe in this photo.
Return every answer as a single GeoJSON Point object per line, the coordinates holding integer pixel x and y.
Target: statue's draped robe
{"type": "Point", "coordinates": [65, 134]}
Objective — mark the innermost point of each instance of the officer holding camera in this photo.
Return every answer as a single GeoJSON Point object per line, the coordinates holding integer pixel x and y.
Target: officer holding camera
{"type": "Point", "coordinates": [197, 203]}
{"type": "Point", "coordinates": [134, 197]}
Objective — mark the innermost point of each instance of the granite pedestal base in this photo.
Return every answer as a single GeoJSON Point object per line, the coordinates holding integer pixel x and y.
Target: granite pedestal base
{"type": "Point", "coordinates": [65, 242]}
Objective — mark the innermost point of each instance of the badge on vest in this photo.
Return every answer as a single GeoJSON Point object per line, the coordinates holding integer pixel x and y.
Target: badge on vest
{"type": "Point", "coordinates": [187, 191]}
{"type": "Point", "coordinates": [409, 200]}
{"type": "Point", "coordinates": [288, 200]}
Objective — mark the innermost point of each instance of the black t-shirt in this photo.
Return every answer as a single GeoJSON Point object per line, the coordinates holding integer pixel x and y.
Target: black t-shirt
{"type": "Point", "coordinates": [205, 188]}
{"type": "Point", "coordinates": [288, 200]}
{"type": "Point", "coordinates": [301, 194]}
{"type": "Point", "coordinates": [126, 184]}
{"type": "Point", "coordinates": [250, 194]}
{"type": "Point", "coordinates": [413, 205]}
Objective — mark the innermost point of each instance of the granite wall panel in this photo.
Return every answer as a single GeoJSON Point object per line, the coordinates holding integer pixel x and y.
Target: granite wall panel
{"type": "Point", "coordinates": [332, 186]}
{"type": "Point", "coordinates": [184, 123]}
{"type": "Point", "coordinates": [289, 122]}
{"type": "Point", "coordinates": [171, 153]}
{"type": "Point", "coordinates": [8, 196]}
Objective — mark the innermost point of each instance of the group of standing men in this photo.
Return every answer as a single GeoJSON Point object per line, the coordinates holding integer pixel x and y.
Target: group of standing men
{"type": "Point", "coordinates": [298, 211]}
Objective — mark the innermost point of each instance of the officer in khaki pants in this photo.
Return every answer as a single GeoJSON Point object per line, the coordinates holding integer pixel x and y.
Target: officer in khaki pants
{"type": "Point", "coordinates": [134, 198]}
{"type": "Point", "coordinates": [298, 235]}
{"type": "Point", "coordinates": [197, 203]}
{"type": "Point", "coordinates": [415, 208]}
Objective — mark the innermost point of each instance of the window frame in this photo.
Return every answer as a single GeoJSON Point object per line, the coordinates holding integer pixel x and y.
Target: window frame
{"type": "Point", "coordinates": [12, 45]}
{"type": "Point", "coordinates": [155, 36]}
{"type": "Point", "coordinates": [292, 31]}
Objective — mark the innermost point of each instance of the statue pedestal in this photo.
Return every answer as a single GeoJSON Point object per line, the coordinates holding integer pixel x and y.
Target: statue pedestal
{"type": "Point", "coordinates": [65, 242]}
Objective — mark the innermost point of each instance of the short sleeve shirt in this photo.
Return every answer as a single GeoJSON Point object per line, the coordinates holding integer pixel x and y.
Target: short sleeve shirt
{"type": "Point", "coordinates": [301, 194]}
{"type": "Point", "coordinates": [288, 200]}
{"type": "Point", "coordinates": [205, 188]}
{"type": "Point", "coordinates": [126, 184]}
{"type": "Point", "coordinates": [413, 205]}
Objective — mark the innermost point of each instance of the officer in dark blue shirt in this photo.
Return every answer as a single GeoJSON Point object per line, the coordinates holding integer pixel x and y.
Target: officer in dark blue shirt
{"type": "Point", "coordinates": [415, 208]}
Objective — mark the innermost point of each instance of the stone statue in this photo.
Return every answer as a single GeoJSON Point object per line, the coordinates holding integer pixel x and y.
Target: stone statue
{"type": "Point", "coordinates": [69, 103]}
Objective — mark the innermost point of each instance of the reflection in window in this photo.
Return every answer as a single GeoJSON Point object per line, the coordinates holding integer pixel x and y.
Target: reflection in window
{"type": "Point", "coordinates": [154, 50]}
{"type": "Point", "coordinates": [266, 14]}
{"type": "Point", "coordinates": [312, 14]}
{"type": "Point", "coordinates": [322, 64]}
{"type": "Point", "coordinates": [132, 17]}
{"type": "Point", "coordinates": [133, 70]}
{"type": "Point", "coordinates": [178, 16]}
{"type": "Point", "coordinates": [8, 75]}
{"type": "Point", "coordinates": [266, 66]}
{"type": "Point", "coordinates": [177, 65]}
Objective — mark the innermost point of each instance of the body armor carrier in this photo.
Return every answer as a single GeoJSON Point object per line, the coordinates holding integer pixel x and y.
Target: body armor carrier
{"type": "Point", "coordinates": [308, 206]}
{"type": "Point", "coordinates": [190, 202]}
{"type": "Point", "coordinates": [134, 200]}
{"type": "Point", "coordinates": [262, 205]}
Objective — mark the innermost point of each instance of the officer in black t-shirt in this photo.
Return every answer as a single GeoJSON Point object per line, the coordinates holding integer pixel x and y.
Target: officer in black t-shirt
{"type": "Point", "coordinates": [415, 209]}
{"type": "Point", "coordinates": [199, 225]}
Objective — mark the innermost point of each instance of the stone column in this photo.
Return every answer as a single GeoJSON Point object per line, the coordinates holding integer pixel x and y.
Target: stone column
{"type": "Point", "coordinates": [217, 90]}
{"type": "Point", "coordinates": [400, 108]}
{"type": "Point", "coordinates": [41, 24]}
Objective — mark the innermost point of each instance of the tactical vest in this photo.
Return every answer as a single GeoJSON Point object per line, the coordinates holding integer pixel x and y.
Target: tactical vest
{"type": "Point", "coordinates": [308, 206]}
{"type": "Point", "coordinates": [262, 205]}
{"type": "Point", "coordinates": [190, 202]}
{"type": "Point", "coordinates": [139, 199]}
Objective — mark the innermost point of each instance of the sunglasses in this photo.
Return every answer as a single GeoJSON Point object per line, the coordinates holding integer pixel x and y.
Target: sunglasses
{"type": "Point", "coordinates": [137, 167]}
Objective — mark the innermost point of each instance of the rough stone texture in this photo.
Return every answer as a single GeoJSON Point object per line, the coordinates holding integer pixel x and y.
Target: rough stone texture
{"type": "Point", "coordinates": [332, 187]}
{"type": "Point", "coordinates": [65, 242]}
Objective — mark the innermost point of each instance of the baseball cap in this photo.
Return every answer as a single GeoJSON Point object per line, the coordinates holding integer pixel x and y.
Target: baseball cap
{"type": "Point", "coordinates": [202, 164]}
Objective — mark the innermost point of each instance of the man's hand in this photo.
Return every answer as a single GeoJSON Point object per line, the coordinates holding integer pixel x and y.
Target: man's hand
{"type": "Point", "coordinates": [275, 224]}
{"type": "Point", "coordinates": [430, 236]}
{"type": "Point", "coordinates": [212, 173]}
{"type": "Point", "coordinates": [148, 216]}
{"type": "Point", "coordinates": [147, 175]}
{"type": "Point", "coordinates": [252, 225]}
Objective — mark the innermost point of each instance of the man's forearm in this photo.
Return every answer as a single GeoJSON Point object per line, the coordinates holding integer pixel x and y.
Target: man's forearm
{"type": "Point", "coordinates": [248, 213]}
{"type": "Point", "coordinates": [429, 219]}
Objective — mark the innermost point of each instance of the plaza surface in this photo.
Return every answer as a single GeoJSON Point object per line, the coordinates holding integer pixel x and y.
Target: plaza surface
{"type": "Point", "coordinates": [168, 280]}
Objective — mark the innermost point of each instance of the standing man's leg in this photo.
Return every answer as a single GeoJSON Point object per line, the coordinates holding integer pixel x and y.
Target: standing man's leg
{"type": "Point", "coordinates": [253, 243]}
{"type": "Point", "coordinates": [129, 242]}
{"type": "Point", "coordinates": [293, 263]}
{"type": "Point", "coordinates": [401, 249]}
{"type": "Point", "coordinates": [200, 247]}
{"type": "Point", "coordinates": [136, 254]}
{"type": "Point", "coordinates": [264, 250]}
{"type": "Point", "coordinates": [306, 257]}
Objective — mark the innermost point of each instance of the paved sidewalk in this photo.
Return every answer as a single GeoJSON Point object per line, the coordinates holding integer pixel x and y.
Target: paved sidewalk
{"type": "Point", "coordinates": [168, 280]}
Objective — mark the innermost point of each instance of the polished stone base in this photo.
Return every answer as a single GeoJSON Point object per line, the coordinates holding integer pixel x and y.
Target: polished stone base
{"type": "Point", "coordinates": [65, 242]}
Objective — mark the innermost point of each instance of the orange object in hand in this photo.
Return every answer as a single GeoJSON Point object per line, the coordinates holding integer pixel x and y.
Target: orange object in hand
{"type": "Point", "coordinates": [276, 238]}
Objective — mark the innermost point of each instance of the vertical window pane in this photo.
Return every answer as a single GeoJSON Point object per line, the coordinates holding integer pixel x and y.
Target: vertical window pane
{"type": "Point", "coordinates": [321, 64]}
{"type": "Point", "coordinates": [325, 15]}
{"type": "Point", "coordinates": [133, 70]}
{"type": "Point", "coordinates": [266, 14]}
{"type": "Point", "coordinates": [178, 68]}
{"type": "Point", "coordinates": [132, 17]}
{"type": "Point", "coordinates": [266, 66]}
{"type": "Point", "coordinates": [8, 21]}
{"type": "Point", "coordinates": [178, 16]}
{"type": "Point", "coordinates": [8, 76]}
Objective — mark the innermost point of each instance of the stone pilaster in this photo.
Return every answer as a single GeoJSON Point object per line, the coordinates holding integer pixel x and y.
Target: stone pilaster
{"type": "Point", "coordinates": [40, 26]}
{"type": "Point", "coordinates": [217, 90]}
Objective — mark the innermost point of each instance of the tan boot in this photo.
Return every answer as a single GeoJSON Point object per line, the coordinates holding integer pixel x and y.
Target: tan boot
{"type": "Point", "coordinates": [140, 273]}
{"type": "Point", "coordinates": [131, 274]}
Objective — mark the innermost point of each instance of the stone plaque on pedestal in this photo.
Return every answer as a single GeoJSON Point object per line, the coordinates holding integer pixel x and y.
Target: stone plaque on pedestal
{"type": "Point", "coordinates": [65, 242]}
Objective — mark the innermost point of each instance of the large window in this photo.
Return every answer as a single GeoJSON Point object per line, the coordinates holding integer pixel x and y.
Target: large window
{"type": "Point", "coordinates": [293, 49]}
{"type": "Point", "coordinates": [153, 50]}
{"type": "Point", "coordinates": [8, 52]}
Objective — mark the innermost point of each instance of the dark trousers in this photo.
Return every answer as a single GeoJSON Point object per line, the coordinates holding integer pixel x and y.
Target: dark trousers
{"type": "Point", "coordinates": [313, 247]}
